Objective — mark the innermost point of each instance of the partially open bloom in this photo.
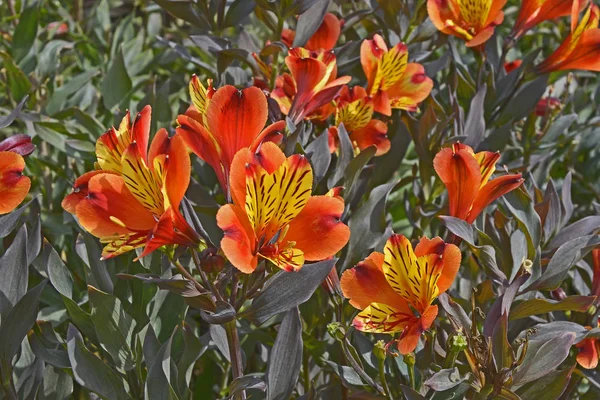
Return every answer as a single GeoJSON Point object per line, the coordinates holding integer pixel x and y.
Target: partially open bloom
{"type": "Point", "coordinates": [324, 38]}
{"type": "Point", "coordinates": [533, 12]}
{"type": "Point", "coordinates": [355, 111]}
{"type": "Point", "coordinates": [222, 124]}
{"type": "Point", "coordinates": [581, 48]}
{"type": "Point", "coordinates": [133, 201]}
{"type": "Point", "coordinates": [274, 216]}
{"type": "Point", "coordinates": [473, 21]}
{"type": "Point", "coordinates": [311, 85]}
{"type": "Point", "coordinates": [13, 185]}
{"type": "Point", "coordinates": [588, 351]}
{"type": "Point", "coordinates": [393, 82]}
{"type": "Point", "coordinates": [395, 290]}
{"type": "Point", "coordinates": [466, 176]}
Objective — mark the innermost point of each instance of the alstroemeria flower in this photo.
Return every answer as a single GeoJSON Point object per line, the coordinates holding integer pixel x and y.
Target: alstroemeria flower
{"type": "Point", "coordinates": [393, 82]}
{"type": "Point", "coordinates": [274, 216]}
{"type": "Point", "coordinates": [588, 351]}
{"type": "Point", "coordinates": [324, 38]}
{"type": "Point", "coordinates": [231, 120]}
{"type": "Point", "coordinates": [547, 105]}
{"type": "Point", "coordinates": [466, 175]}
{"type": "Point", "coordinates": [533, 12]}
{"type": "Point", "coordinates": [581, 48]}
{"type": "Point", "coordinates": [311, 85]}
{"type": "Point", "coordinates": [596, 277]}
{"type": "Point", "coordinates": [395, 290]}
{"type": "Point", "coordinates": [473, 21]}
{"type": "Point", "coordinates": [13, 185]}
{"type": "Point", "coordinates": [134, 200]}
{"type": "Point", "coordinates": [355, 110]}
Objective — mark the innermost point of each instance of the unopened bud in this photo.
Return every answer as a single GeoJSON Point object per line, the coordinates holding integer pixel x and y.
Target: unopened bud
{"type": "Point", "coordinates": [332, 282]}
{"type": "Point", "coordinates": [527, 265]}
{"type": "Point", "coordinates": [211, 261]}
{"type": "Point", "coordinates": [336, 330]}
{"type": "Point", "coordinates": [592, 310]}
{"type": "Point", "coordinates": [380, 350]}
{"type": "Point", "coordinates": [558, 294]}
{"type": "Point", "coordinates": [458, 342]}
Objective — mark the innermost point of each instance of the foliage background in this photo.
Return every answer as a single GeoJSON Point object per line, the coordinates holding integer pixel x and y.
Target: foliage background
{"type": "Point", "coordinates": [82, 328]}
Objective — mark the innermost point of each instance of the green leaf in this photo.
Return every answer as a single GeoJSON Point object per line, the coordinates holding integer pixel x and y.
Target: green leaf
{"type": "Point", "coordinates": [530, 307]}
{"type": "Point", "coordinates": [550, 386]}
{"type": "Point", "coordinates": [192, 351]}
{"type": "Point", "coordinates": [14, 272]}
{"type": "Point", "coordinates": [158, 382]}
{"type": "Point", "coordinates": [286, 358]}
{"type": "Point", "coordinates": [18, 322]}
{"type": "Point", "coordinates": [114, 327]}
{"type": "Point", "coordinates": [444, 379]}
{"type": "Point", "coordinates": [247, 382]}
{"type": "Point", "coordinates": [88, 250]}
{"type": "Point", "coordinates": [475, 123]}
{"type": "Point", "coordinates": [525, 100]}
{"type": "Point", "coordinates": [521, 206]}
{"type": "Point", "coordinates": [91, 372]}
{"type": "Point", "coordinates": [117, 83]}
{"type": "Point", "coordinates": [543, 357]}
{"type": "Point", "coordinates": [309, 21]}
{"type": "Point", "coordinates": [6, 121]}
{"type": "Point", "coordinates": [25, 32]}
{"type": "Point", "coordinates": [563, 259]}
{"type": "Point", "coordinates": [17, 80]}
{"type": "Point", "coordinates": [186, 10]}
{"type": "Point", "coordinates": [319, 156]}
{"type": "Point", "coordinates": [59, 96]}
{"type": "Point", "coordinates": [237, 11]}
{"type": "Point", "coordinates": [81, 319]}
{"type": "Point", "coordinates": [58, 273]}
{"type": "Point", "coordinates": [56, 385]}
{"type": "Point", "coordinates": [346, 374]}
{"type": "Point", "coordinates": [287, 290]}
{"type": "Point", "coordinates": [346, 154]}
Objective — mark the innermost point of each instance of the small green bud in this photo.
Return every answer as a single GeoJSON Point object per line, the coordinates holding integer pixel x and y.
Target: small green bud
{"type": "Point", "coordinates": [380, 350]}
{"type": "Point", "coordinates": [336, 330]}
{"type": "Point", "coordinates": [458, 342]}
{"type": "Point", "coordinates": [592, 310]}
{"type": "Point", "coordinates": [409, 359]}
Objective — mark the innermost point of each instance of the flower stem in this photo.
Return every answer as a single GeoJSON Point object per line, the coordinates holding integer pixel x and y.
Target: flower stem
{"type": "Point", "coordinates": [409, 360]}
{"type": "Point", "coordinates": [386, 389]}
{"type": "Point", "coordinates": [235, 354]}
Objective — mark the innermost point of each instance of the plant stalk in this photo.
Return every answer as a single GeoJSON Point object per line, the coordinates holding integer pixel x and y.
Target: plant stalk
{"type": "Point", "coordinates": [235, 354]}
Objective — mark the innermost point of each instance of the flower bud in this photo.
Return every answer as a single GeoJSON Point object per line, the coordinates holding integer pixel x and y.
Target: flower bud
{"type": "Point", "coordinates": [558, 294]}
{"type": "Point", "coordinates": [211, 261]}
{"type": "Point", "coordinates": [20, 144]}
{"type": "Point", "coordinates": [380, 350]}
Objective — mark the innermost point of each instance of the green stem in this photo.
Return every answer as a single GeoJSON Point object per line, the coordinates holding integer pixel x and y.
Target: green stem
{"type": "Point", "coordinates": [409, 360]}
{"type": "Point", "coordinates": [386, 389]}
{"type": "Point", "coordinates": [235, 354]}
{"type": "Point", "coordinates": [306, 376]}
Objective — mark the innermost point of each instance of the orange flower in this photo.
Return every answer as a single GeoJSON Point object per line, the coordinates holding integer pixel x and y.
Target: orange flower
{"type": "Point", "coordinates": [511, 66]}
{"type": "Point", "coordinates": [312, 84]}
{"type": "Point", "coordinates": [355, 111]}
{"type": "Point", "coordinates": [393, 82]}
{"type": "Point", "coordinates": [473, 21]}
{"type": "Point", "coordinates": [535, 11]}
{"type": "Point", "coordinates": [581, 48]}
{"type": "Point", "coordinates": [395, 290]}
{"type": "Point", "coordinates": [596, 277]}
{"type": "Point", "coordinates": [588, 351]}
{"type": "Point", "coordinates": [323, 39]}
{"type": "Point", "coordinates": [466, 176]}
{"type": "Point", "coordinates": [223, 123]}
{"type": "Point", "coordinates": [274, 216]}
{"type": "Point", "coordinates": [13, 185]}
{"type": "Point", "coordinates": [133, 201]}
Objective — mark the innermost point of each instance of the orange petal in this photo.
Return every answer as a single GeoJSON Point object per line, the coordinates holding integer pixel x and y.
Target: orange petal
{"type": "Point", "coordinates": [411, 89]}
{"type": "Point", "coordinates": [374, 134]}
{"type": "Point", "coordinates": [317, 230]}
{"type": "Point", "coordinates": [487, 164]}
{"type": "Point", "coordinates": [439, 12]}
{"type": "Point", "coordinates": [123, 243]}
{"type": "Point", "coordinates": [511, 66]}
{"type": "Point", "coordinates": [80, 191]}
{"type": "Point", "coordinates": [178, 171]}
{"type": "Point", "coordinates": [287, 37]}
{"type": "Point", "coordinates": [371, 51]}
{"type": "Point", "coordinates": [326, 35]}
{"type": "Point", "coordinates": [13, 185]}
{"type": "Point", "coordinates": [481, 37]}
{"type": "Point", "coordinates": [170, 229]}
{"type": "Point", "coordinates": [140, 131]}
{"type": "Point", "coordinates": [270, 130]}
{"type": "Point", "coordinates": [110, 209]}
{"type": "Point", "coordinates": [410, 337]}
{"type": "Point", "coordinates": [235, 118]}
{"type": "Point", "coordinates": [491, 191]}
{"type": "Point", "coordinates": [459, 171]}
{"type": "Point", "coordinates": [199, 95]}
{"type": "Point", "coordinates": [450, 255]}
{"type": "Point", "coordinates": [382, 318]}
{"type": "Point", "coordinates": [308, 74]}
{"type": "Point", "coordinates": [366, 284]}
{"type": "Point", "coordinates": [533, 12]}
{"type": "Point", "coordinates": [585, 55]}
{"type": "Point", "coordinates": [201, 142]}
{"type": "Point", "coordinates": [588, 353]}
{"type": "Point", "coordinates": [238, 243]}
{"type": "Point", "coordinates": [381, 103]}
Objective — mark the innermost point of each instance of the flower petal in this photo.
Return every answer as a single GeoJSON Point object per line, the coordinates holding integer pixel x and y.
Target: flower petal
{"type": "Point", "coordinates": [235, 118]}
{"type": "Point", "coordinates": [371, 52]}
{"type": "Point", "coordinates": [326, 35]}
{"type": "Point", "coordinates": [588, 353]}
{"type": "Point", "coordinates": [110, 209]}
{"type": "Point", "coordinates": [111, 146]}
{"type": "Point", "coordinates": [410, 337]}
{"type": "Point", "coordinates": [317, 230]}
{"type": "Point", "coordinates": [366, 284]}
{"type": "Point", "coordinates": [13, 185]}
{"type": "Point", "coordinates": [491, 191]}
{"type": "Point", "coordinates": [411, 89]}
{"type": "Point", "coordinates": [373, 134]}
{"type": "Point", "coordinates": [451, 257]}
{"type": "Point", "coordinates": [80, 191]}
{"type": "Point", "coordinates": [381, 318]}
{"type": "Point", "coordinates": [198, 94]}
{"type": "Point", "coordinates": [20, 144]}
{"type": "Point", "coordinates": [460, 173]}
{"type": "Point", "coordinates": [239, 241]}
